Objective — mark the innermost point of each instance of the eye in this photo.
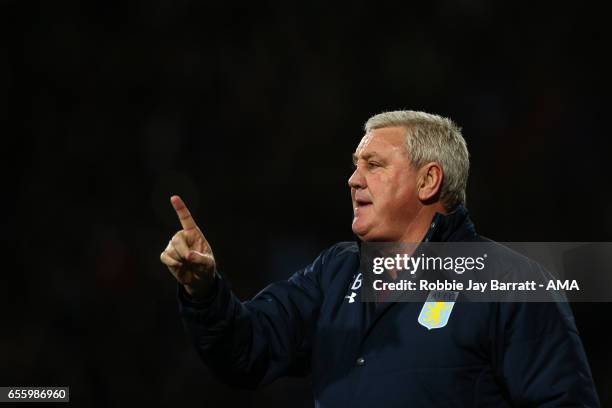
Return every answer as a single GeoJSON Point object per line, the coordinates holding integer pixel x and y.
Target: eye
{"type": "Point", "coordinates": [373, 164]}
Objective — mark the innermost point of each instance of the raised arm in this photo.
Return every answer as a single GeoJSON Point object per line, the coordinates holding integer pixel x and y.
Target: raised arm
{"type": "Point", "coordinates": [243, 343]}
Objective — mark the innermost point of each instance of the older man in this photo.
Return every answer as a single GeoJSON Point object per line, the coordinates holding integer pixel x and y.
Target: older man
{"type": "Point", "coordinates": [408, 186]}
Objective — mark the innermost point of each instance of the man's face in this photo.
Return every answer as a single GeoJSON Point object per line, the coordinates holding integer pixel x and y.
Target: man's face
{"type": "Point", "coordinates": [383, 186]}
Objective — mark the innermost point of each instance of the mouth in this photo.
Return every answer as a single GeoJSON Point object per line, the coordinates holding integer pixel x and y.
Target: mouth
{"type": "Point", "coordinates": [360, 203]}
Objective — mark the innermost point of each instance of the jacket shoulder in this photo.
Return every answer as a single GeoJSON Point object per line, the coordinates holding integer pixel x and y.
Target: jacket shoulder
{"type": "Point", "coordinates": [339, 259]}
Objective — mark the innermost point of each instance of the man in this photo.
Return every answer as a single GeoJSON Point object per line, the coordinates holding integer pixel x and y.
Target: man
{"type": "Point", "coordinates": [408, 186]}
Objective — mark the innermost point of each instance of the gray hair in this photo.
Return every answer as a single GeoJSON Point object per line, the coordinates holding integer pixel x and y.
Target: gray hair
{"type": "Point", "coordinates": [432, 138]}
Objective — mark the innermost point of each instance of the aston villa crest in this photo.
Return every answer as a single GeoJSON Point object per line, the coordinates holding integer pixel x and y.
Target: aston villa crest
{"type": "Point", "coordinates": [437, 309]}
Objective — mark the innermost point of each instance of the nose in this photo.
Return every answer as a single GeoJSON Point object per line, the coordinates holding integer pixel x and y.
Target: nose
{"type": "Point", "coordinates": [357, 180]}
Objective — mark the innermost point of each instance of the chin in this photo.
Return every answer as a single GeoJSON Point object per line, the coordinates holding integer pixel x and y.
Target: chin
{"type": "Point", "coordinates": [360, 231]}
{"type": "Point", "coordinates": [367, 234]}
{"type": "Point", "coordinates": [364, 234]}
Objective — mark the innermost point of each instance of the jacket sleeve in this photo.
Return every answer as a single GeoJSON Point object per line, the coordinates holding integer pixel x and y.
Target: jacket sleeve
{"type": "Point", "coordinates": [543, 362]}
{"type": "Point", "coordinates": [252, 343]}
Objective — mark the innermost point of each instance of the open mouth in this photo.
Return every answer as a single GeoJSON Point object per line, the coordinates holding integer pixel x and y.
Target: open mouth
{"type": "Point", "coordinates": [362, 203]}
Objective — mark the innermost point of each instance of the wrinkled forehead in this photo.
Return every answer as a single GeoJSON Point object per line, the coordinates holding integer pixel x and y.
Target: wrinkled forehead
{"type": "Point", "coordinates": [364, 142]}
{"type": "Point", "coordinates": [391, 139]}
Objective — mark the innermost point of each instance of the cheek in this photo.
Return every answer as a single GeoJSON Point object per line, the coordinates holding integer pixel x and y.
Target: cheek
{"type": "Point", "coordinates": [379, 184]}
{"type": "Point", "coordinates": [385, 183]}
{"type": "Point", "coordinates": [405, 193]}
{"type": "Point", "coordinates": [399, 194]}
{"type": "Point", "coordinates": [391, 191]}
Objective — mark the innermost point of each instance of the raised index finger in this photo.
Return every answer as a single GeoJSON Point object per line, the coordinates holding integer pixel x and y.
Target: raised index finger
{"type": "Point", "coordinates": [187, 221]}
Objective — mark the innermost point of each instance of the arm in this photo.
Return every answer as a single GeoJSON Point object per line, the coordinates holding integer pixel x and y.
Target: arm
{"type": "Point", "coordinates": [252, 343]}
{"type": "Point", "coordinates": [249, 343]}
{"type": "Point", "coordinates": [543, 362]}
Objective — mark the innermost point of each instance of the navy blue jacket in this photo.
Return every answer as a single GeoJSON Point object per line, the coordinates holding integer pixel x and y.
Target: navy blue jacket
{"type": "Point", "coordinates": [364, 355]}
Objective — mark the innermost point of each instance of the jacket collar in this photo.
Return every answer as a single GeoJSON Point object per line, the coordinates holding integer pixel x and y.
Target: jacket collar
{"type": "Point", "coordinates": [454, 226]}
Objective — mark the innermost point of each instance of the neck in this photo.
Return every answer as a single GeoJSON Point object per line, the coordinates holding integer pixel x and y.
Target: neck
{"type": "Point", "coordinates": [421, 223]}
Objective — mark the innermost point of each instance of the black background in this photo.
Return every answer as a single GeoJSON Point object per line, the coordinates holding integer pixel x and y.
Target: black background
{"type": "Point", "coordinates": [251, 113]}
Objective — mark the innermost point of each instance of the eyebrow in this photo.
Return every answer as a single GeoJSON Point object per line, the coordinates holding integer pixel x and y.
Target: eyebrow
{"type": "Point", "coordinates": [365, 156]}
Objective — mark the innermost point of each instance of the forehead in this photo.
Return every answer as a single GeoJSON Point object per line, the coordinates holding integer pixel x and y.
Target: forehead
{"type": "Point", "coordinates": [383, 140]}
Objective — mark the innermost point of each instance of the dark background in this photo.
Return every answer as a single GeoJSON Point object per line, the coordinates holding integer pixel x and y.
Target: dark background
{"type": "Point", "coordinates": [251, 113]}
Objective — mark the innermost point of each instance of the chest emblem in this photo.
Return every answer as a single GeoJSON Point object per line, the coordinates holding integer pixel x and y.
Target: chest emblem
{"type": "Point", "coordinates": [354, 288]}
{"type": "Point", "coordinates": [437, 309]}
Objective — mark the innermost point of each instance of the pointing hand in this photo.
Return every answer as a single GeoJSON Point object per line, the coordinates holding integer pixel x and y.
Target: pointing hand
{"type": "Point", "coordinates": [188, 254]}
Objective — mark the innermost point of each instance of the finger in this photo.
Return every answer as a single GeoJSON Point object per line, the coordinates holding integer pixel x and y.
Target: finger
{"type": "Point", "coordinates": [167, 260]}
{"type": "Point", "coordinates": [187, 221]}
{"type": "Point", "coordinates": [194, 236]}
{"type": "Point", "coordinates": [180, 245]}
{"type": "Point", "coordinates": [172, 252]}
{"type": "Point", "coordinates": [200, 258]}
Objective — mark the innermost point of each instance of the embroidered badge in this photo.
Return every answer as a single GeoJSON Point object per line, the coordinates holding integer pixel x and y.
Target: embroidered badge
{"type": "Point", "coordinates": [437, 309]}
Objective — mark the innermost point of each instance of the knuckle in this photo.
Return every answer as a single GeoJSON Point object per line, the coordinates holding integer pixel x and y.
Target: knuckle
{"type": "Point", "coordinates": [166, 260]}
{"type": "Point", "coordinates": [192, 234]}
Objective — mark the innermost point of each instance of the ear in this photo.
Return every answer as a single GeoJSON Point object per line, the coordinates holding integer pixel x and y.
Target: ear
{"type": "Point", "coordinates": [430, 181]}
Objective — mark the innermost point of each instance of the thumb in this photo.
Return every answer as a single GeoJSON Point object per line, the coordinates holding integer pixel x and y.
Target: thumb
{"type": "Point", "coordinates": [199, 258]}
